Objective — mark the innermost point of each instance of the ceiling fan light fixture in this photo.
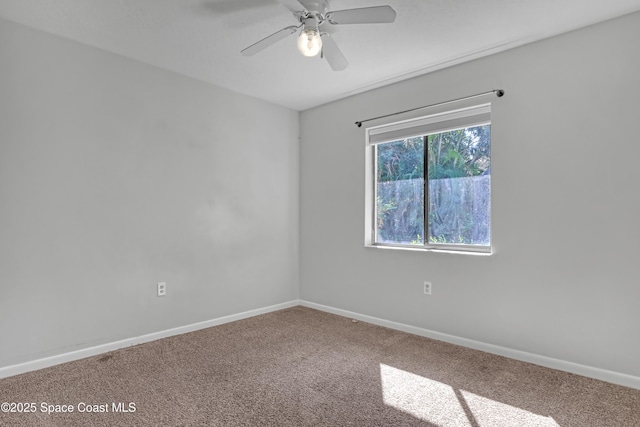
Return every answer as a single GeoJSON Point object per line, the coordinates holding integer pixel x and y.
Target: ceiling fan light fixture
{"type": "Point", "coordinates": [309, 42]}
{"type": "Point", "coordinates": [315, 13]}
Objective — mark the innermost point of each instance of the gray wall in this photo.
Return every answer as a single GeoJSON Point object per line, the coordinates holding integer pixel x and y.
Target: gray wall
{"type": "Point", "coordinates": [563, 279]}
{"type": "Point", "coordinates": [115, 175]}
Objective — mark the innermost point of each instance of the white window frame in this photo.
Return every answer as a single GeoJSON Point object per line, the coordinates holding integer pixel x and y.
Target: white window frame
{"type": "Point", "coordinates": [469, 116]}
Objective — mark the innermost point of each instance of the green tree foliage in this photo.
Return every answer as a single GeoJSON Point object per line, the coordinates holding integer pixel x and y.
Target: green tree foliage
{"type": "Point", "coordinates": [459, 153]}
{"type": "Point", "coordinates": [402, 159]}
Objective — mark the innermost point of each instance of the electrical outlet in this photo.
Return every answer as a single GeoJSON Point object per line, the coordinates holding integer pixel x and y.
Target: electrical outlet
{"type": "Point", "coordinates": [427, 288]}
{"type": "Point", "coordinates": [162, 289]}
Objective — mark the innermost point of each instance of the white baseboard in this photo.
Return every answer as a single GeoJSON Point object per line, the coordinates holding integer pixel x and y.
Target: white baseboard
{"type": "Point", "coordinates": [34, 365]}
{"type": "Point", "coordinates": [574, 368]}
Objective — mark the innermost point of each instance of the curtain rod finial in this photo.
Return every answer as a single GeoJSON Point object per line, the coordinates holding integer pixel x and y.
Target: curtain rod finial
{"type": "Point", "coordinates": [500, 93]}
{"type": "Point", "coordinates": [359, 124]}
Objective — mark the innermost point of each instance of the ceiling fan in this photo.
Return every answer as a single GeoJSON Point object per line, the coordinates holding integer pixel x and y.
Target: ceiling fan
{"type": "Point", "coordinates": [312, 15]}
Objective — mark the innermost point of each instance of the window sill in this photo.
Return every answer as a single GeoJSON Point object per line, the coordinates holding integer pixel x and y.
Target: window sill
{"type": "Point", "coordinates": [435, 250]}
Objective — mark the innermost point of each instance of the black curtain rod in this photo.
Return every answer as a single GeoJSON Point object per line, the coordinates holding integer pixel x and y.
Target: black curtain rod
{"type": "Point", "coordinates": [499, 93]}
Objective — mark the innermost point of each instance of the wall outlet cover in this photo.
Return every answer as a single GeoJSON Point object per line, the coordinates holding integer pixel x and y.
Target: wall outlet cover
{"type": "Point", "coordinates": [427, 288]}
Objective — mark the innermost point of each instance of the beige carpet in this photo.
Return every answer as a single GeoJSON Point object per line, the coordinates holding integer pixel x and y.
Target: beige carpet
{"type": "Point", "coordinates": [302, 367]}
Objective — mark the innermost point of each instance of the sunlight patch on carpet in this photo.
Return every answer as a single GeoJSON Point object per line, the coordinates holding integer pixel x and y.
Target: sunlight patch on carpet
{"type": "Point", "coordinates": [442, 405]}
{"type": "Point", "coordinates": [488, 412]}
{"type": "Point", "coordinates": [421, 397]}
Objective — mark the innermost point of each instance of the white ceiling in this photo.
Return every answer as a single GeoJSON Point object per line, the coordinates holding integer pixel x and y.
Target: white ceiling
{"type": "Point", "coordinates": [203, 38]}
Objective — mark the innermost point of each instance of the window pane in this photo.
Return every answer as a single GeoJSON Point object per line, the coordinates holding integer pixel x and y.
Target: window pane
{"type": "Point", "coordinates": [460, 186]}
{"type": "Point", "coordinates": [400, 191]}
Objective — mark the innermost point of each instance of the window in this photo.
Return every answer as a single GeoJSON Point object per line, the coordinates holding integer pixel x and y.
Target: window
{"type": "Point", "coordinates": [429, 182]}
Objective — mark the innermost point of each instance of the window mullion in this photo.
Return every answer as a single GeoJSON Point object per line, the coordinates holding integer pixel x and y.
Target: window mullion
{"type": "Point", "coordinates": [425, 209]}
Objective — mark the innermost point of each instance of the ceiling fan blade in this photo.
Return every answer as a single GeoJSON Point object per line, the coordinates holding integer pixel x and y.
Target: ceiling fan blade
{"type": "Point", "coordinates": [364, 15]}
{"type": "Point", "coordinates": [268, 41]}
{"type": "Point", "coordinates": [292, 5]}
{"type": "Point", "coordinates": [332, 53]}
